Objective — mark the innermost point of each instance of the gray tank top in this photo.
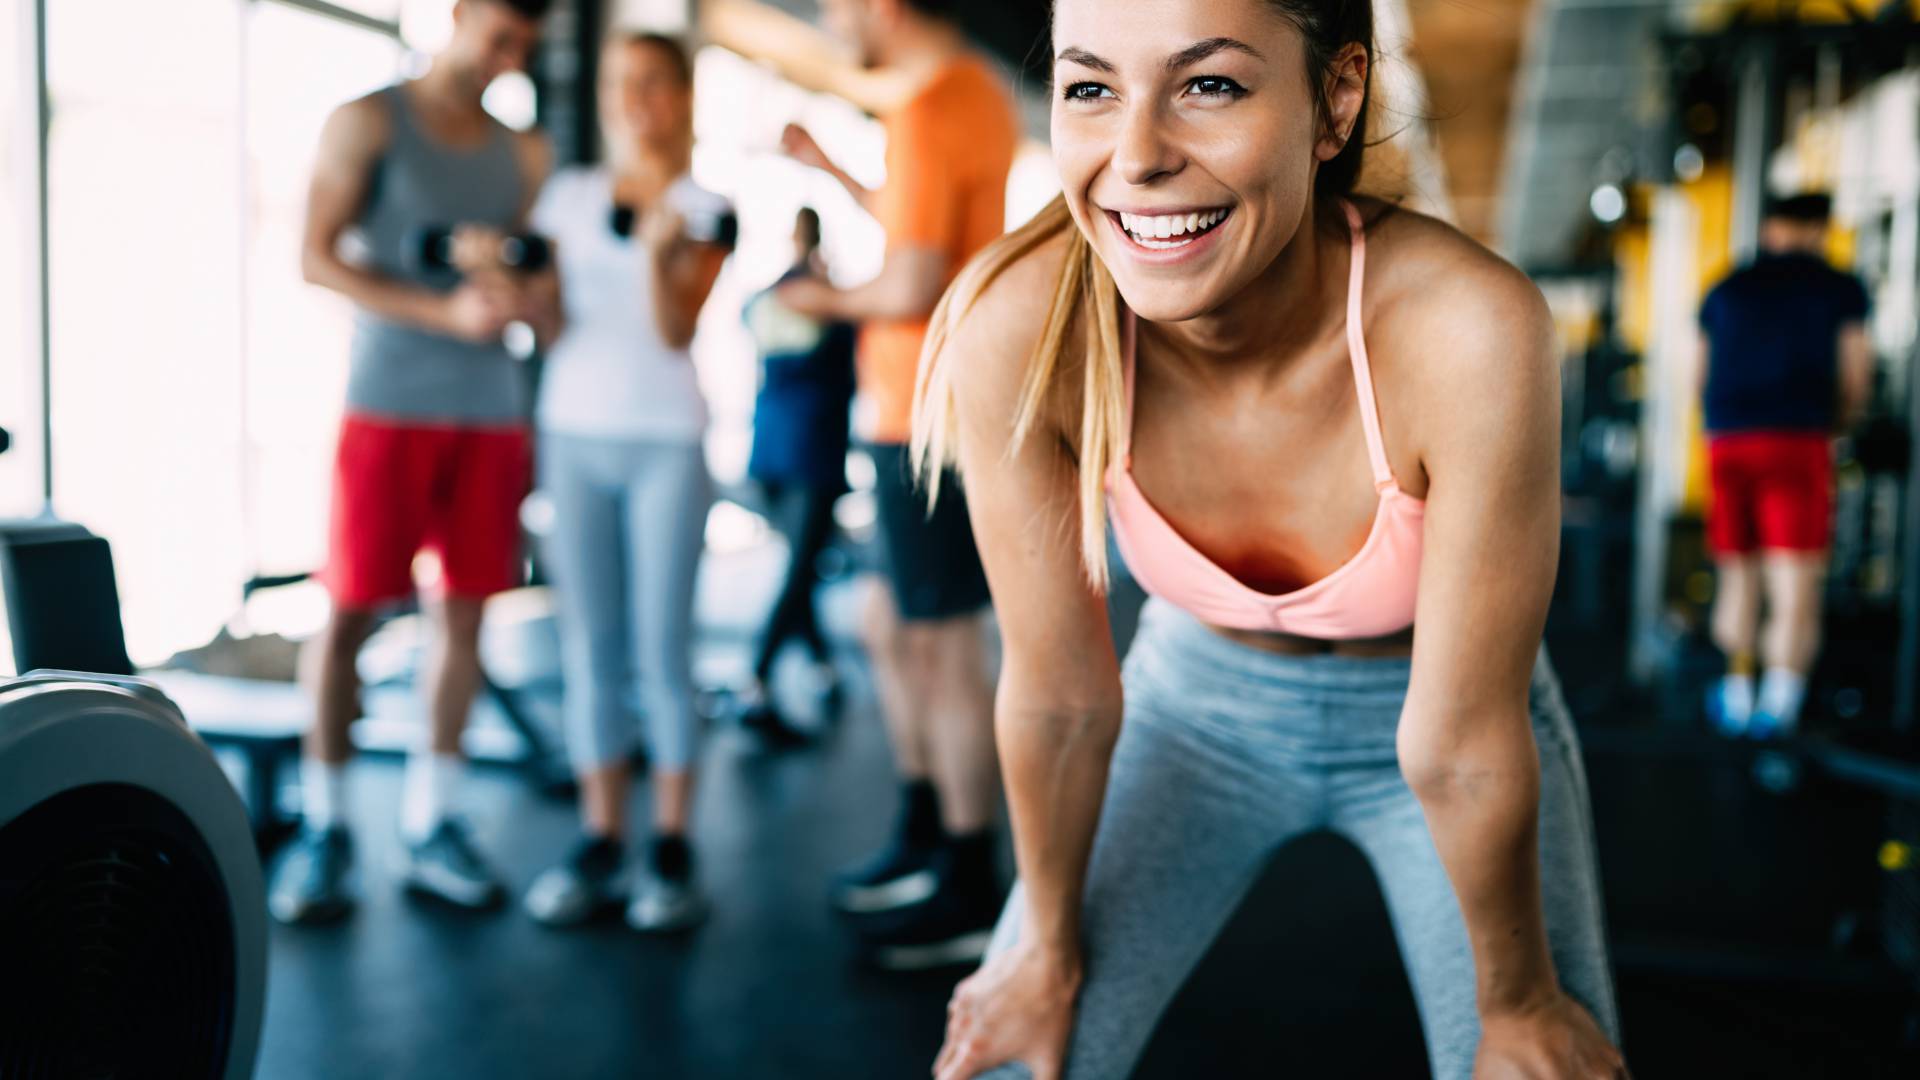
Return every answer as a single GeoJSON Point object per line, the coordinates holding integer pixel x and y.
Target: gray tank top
{"type": "Point", "coordinates": [401, 372]}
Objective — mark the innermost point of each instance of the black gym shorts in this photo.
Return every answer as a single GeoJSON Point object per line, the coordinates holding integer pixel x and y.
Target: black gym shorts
{"type": "Point", "coordinates": [931, 562]}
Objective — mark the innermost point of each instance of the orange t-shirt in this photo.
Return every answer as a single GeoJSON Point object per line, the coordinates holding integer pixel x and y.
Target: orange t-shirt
{"type": "Point", "coordinates": [949, 150]}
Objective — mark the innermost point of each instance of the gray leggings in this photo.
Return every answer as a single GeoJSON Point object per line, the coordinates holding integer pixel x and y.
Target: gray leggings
{"type": "Point", "coordinates": [630, 521]}
{"type": "Point", "coordinates": [1226, 753]}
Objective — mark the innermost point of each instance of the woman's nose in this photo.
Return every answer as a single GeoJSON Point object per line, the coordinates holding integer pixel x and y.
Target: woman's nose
{"type": "Point", "coordinates": [1144, 152]}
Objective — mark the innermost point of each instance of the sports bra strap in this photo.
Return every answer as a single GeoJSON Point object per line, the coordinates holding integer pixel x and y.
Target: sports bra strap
{"type": "Point", "coordinates": [1357, 352]}
{"type": "Point", "coordinates": [1126, 350]}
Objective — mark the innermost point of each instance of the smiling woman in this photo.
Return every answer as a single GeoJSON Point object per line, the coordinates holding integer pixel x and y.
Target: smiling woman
{"type": "Point", "coordinates": [1312, 417]}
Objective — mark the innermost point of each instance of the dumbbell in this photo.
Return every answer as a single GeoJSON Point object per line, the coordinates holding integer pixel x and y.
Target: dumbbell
{"type": "Point", "coordinates": [525, 252]}
{"type": "Point", "coordinates": [721, 230]}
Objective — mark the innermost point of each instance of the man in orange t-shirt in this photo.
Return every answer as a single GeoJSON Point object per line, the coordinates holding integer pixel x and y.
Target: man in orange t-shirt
{"type": "Point", "coordinates": [930, 896]}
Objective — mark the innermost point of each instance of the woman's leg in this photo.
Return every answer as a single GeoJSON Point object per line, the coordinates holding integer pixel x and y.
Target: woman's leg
{"type": "Point", "coordinates": [1373, 806]}
{"type": "Point", "coordinates": [1189, 821]}
{"type": "Point", "coordinates": [804, 517]}
{"type": "Point", "coordinates": [814, 534]}
{"type": "Point", "coordinates": [781, 500]}
{"type": "Point", "coordinates": [585, 550]}
{"type": "Point", "coordinates": [667, 506]}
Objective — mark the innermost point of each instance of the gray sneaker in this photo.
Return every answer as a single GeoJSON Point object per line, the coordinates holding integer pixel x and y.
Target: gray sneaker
{"type": "Point", "coordinates": [446, 866]}
{"type": "Point", "coordinates": [662, 905]}
{"type": "Point", "coordinates": [578, 888]}
{"type": "Point", "coordinates": [311, 884]}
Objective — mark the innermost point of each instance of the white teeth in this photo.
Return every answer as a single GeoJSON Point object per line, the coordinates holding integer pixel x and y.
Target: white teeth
{"type": "Point", "coordinates": [1148, 229]}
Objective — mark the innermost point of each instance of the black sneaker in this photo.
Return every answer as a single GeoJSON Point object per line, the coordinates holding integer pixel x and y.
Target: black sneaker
{"type": "Point", "coordinates": [586, 882]}
{"type": "Point", "coordinates": [311, 884]}
{"type": "Point", "coordinates": [898, 875]}
{"type": "Point", "coordinates": [953, 926]}
{"type": "Point", "coordinates": [445, 865]}
{"type": "Point", "coordinates": [766, 724]}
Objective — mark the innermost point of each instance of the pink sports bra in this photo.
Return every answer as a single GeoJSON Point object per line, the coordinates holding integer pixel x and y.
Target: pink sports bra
{"type": "Point", "coordinates": [1370, 595]}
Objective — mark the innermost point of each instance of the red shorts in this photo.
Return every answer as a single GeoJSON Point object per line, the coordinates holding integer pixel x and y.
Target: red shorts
{"type": "Point", "coordinates": [401, 489]}
{"type": "Point", "coordinates": [1772, 490]}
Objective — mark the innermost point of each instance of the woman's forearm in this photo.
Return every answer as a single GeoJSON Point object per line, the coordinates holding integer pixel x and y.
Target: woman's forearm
{"type": "Point", "coordinates": [1479, 784]}
{"type": "Point", "coordinates": [670, 303]}
{"type": "Point", "coordinates": [1055, 763]}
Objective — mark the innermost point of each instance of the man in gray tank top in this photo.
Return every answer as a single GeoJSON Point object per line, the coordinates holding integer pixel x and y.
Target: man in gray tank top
{"type": "Point", "coordinates": [433, 451]}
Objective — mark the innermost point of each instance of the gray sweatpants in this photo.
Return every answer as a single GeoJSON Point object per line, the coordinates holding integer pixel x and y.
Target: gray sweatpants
{"type": "Point", "coordinates": [629, 525]}
{"type": "Point", "coordinates": [1226, 753]}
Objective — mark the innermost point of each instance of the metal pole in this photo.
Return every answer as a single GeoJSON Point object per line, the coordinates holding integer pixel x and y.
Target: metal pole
{"type": "Point", "coordinates": [1754, 120]}
{"type": "Point", "coordinates": [43, 113]}
{"type": "Point", "coordinates": [249, 525]}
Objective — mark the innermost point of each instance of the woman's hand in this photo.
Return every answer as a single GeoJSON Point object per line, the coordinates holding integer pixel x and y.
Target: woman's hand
{"type": "Point", "coordinates": [1554, 1040]}
{"type": "Point", "coordinates": [1017, 1007]}
{"type": "Point", "coordinates": [797, 143]}
{"type": "Point", "coordinates": [662, 230]}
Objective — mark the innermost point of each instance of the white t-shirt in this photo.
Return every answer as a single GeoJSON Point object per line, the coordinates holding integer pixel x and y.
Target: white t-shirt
{"type": "Point", "coordinates": [609, 375]}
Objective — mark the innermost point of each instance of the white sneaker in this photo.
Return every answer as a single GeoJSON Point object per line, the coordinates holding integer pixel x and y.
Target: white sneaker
{"type": "Point", "coordinates": [661, 906]}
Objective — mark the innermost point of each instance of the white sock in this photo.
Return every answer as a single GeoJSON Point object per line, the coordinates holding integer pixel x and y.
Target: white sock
{"type": "Point", "coordinates": [430, 792]}
{"type": "Point", "coordinates": [1736, 697]}
{"type": "Point", "coordinates": [1781, 692]}
{"type": "Point", "coordinates": [323, 793]}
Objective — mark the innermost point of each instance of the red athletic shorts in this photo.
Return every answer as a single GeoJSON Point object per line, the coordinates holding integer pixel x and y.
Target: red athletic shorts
{"type": "Point", "coordinates": [399, 489]}
{"type": "Point", "coordinates": [1772, 491]}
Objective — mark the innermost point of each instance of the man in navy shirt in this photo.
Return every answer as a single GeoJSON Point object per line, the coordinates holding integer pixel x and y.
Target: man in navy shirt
{"type": "Point", "coordinates": [1787, 363]}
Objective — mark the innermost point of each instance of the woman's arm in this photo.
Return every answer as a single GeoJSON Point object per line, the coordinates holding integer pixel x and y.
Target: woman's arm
{"type": "Point", "coordinates": [1057, 711]}
{"type": "Point", "coordinates": [1488, 389]}
{"type": "Point", "coordinates": [683, 274]}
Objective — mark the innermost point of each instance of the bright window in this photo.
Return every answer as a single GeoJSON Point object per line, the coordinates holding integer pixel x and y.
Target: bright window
{"type": "Point", "coordinates": [145, 289]}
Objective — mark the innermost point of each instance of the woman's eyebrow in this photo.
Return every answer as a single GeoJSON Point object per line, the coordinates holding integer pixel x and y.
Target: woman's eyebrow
{"type": "Point", "coordinates": [1076, 55]}
{"type": "Point", "coordinates": [1200, 50]}
{"type": "Point", "coordinates": [1186, 57]}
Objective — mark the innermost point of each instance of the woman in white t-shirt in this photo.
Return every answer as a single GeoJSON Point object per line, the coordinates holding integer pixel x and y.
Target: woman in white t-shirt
{"type": "Point", "coordinates": [620, 420]}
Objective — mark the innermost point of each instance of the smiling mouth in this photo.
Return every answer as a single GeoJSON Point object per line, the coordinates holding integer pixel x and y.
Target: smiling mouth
{"type": "Point", "coordinates": [1166, 232]}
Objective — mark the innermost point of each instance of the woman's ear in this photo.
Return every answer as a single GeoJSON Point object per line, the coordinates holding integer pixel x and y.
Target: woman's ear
{"type": "Point", "coordinates": [1346, 90]}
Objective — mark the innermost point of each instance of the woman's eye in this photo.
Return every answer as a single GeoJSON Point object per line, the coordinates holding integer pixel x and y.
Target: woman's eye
{"type": "Point", "coordinates": [1215, 86]}
{"type": "Point", "coordinates": [1085, 91]}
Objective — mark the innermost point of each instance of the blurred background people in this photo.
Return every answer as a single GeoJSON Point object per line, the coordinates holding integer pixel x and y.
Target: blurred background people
{"type": "Point", "coordinates": [949, 149]}
{"type": "Point", "coordinates": [621, 418]}
{"type": "Point", "coordinates": [1787, 363]}
{"type": "Point", "coordinates": [799, 460]}
{"type": "Point", "coordinates": [433, 452]}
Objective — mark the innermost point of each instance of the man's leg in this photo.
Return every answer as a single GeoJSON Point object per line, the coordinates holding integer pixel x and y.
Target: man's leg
{"type": "Point", "coordinates": [965, 767]}
{"type": "Point", "coordinates": [441, 859]}
{"type": "Point", "coordinates": [1791, 639]}
{"type": "Point", "coordinates": [1796, 522]}
{"type": "Point", "coordinates": [374, 528]}
{"type": "Point", "coordinates": [896, 681]}
{"type": "Point", "coordinates": [475, 528]}
{"type": "Point", "coordinates": [1731, 536]}
{"type": "Point", "coordinates": [945, 640]}
{"type": "Point", "coordinates": [1736, 627]}
{"type": "Point", "coordinates": [330, 669]}
{"type": "Point", "coordinates": [450, 672]}
{"type": "Point", "coordinates": [901, 872]}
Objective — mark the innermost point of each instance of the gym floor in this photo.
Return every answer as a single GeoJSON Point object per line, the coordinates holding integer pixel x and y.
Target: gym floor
{"type": "Point", "coordinates": [1304, 982]}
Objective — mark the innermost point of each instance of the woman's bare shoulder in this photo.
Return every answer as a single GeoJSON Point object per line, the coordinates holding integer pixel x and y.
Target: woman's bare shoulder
{"type": "Point", "coordinates": [991, 339]}
{"type": "Point", "coordinates": [1432, 291]}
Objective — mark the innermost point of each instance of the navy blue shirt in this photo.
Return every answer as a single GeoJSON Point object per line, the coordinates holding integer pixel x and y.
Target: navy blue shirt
{"type": "Point", "coordinates": [1773, 335]}
{"type": "Point", "coordinates": [806, 388]}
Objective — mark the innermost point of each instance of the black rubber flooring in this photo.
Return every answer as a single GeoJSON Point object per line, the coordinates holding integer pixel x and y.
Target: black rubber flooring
{"type": "Point", "coordinates": [1305, 982]}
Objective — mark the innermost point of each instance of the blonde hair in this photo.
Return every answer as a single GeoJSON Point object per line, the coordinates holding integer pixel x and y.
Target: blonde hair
{"type": "Point", "coordinates": [1085, 291]}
